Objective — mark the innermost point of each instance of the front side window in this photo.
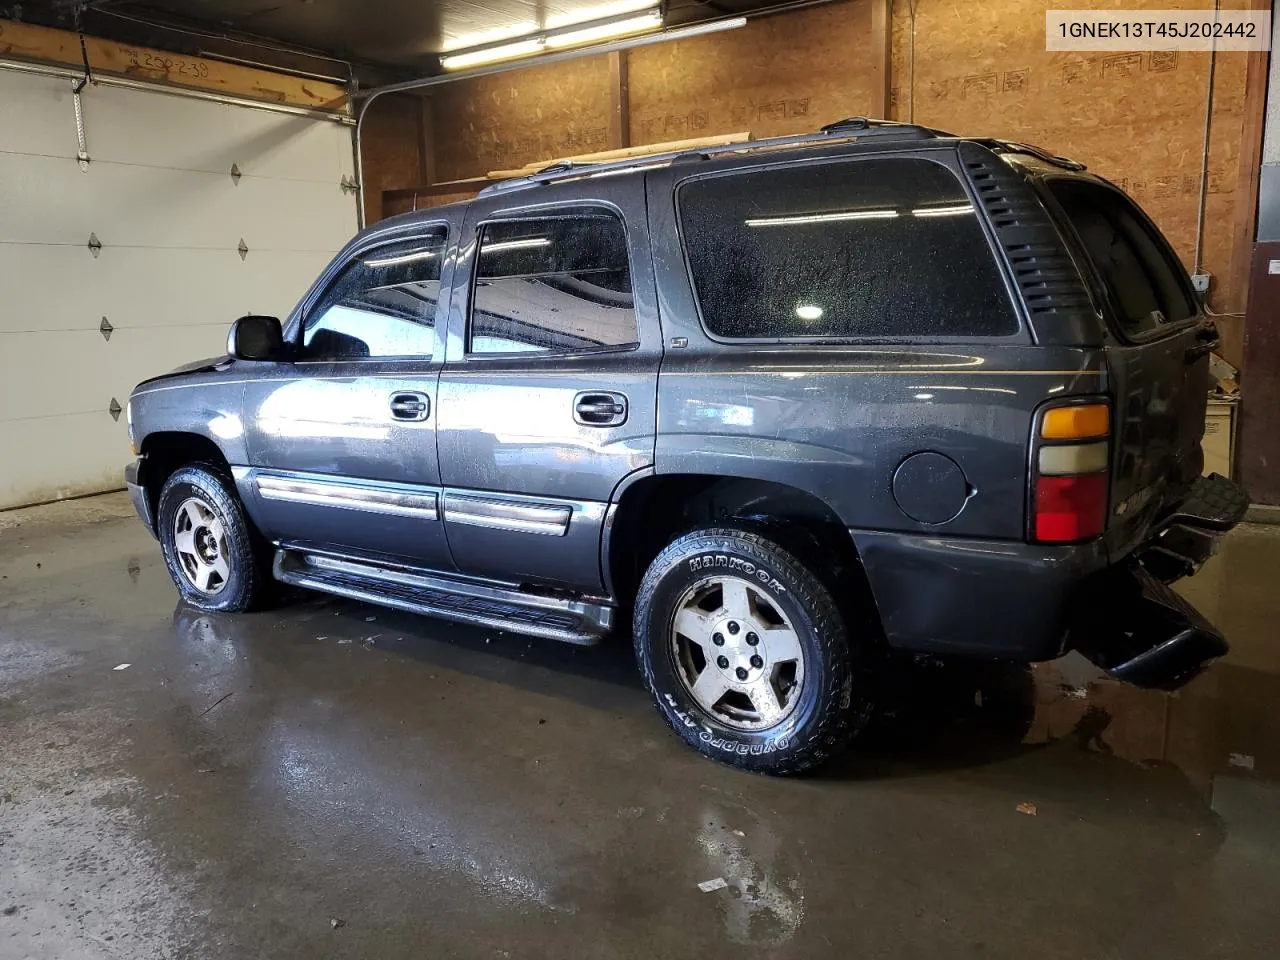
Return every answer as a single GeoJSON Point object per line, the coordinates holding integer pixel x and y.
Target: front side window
{"type": "Point", "coordinates": [552, 285]}
{"type": "Point", "coordinates": [1142, 277]}
{"type": "Point", "coordinates": [849, 250]}
{"type": "Point", "coordinates": [383, 304]}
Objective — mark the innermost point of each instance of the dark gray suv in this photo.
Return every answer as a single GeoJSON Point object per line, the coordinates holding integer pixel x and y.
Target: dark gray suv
{"type": "Point", "coordinates": [776, 408]}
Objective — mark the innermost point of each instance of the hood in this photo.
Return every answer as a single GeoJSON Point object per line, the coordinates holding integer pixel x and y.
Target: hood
{"type": "Point", "coordinates": [198, 366]}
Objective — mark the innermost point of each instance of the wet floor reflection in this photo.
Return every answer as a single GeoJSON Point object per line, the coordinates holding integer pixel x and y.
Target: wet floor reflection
{"type": "Point", "coordinates": [482, 793]}
{"type": "Point", "coordinates": [934, 715]}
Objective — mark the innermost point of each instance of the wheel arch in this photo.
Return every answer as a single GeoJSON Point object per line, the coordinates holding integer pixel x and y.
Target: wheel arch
{"type": "Point", "coordinates": [650, 510]}
{"type": "Point", "coordinates": [165, 451]}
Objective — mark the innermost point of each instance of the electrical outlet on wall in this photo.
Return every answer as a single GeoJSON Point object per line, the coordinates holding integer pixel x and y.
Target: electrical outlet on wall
{"type": "Point", "coordinates": [1201, 282]}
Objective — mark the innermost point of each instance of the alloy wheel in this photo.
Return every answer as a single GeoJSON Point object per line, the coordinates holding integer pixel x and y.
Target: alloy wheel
{"type": "Point", "coordinates": [736, 653]}
{"type": "Point", "coordinates": [200, 542]}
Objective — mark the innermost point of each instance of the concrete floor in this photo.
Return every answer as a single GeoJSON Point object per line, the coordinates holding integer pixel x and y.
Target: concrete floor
{"type": "Point", "coordinates": [335, 780]}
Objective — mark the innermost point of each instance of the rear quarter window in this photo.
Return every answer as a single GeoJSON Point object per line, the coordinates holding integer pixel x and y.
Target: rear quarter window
{"type": "Point", "coordinates": [1142, 276]}
{"type": "Point", "coordinates": [850, 250]}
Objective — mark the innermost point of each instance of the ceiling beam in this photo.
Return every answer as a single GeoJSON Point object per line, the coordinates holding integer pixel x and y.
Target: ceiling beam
{"type": "Point", "coordinates": [25, 41]}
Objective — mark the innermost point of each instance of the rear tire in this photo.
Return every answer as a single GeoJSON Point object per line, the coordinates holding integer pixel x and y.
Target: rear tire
{"type": "Point", "coordinates": [216, 558]}
{"type": "Point", "coordinates": [746, 654]}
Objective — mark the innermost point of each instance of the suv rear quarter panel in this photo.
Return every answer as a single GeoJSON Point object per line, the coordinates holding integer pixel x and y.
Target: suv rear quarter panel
{"type": "Point", "coordinates": [838, 421]}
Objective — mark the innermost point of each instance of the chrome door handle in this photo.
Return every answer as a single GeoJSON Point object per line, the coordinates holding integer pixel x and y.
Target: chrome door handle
{"type": "Point", "coordinates": [600, 409]}
{"type": "Point", "coordinates": [410, 406]}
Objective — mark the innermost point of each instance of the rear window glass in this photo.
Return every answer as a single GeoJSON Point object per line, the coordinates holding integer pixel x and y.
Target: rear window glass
{"type": "Point", "coordinates": [850, 250]}
{"type": "Point", "coordinates": [1143, 278]}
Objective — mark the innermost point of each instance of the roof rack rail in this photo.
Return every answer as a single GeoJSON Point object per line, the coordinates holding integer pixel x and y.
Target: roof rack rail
{"type": "Point", "coordinates": [865, 125]}
{"type": "Point", "coordinates": [1014, 146]}
{"type": "Point", "coordinates": [850, 128]}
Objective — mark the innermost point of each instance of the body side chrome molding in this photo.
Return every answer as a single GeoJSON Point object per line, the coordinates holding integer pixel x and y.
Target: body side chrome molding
{"type": "Point", "coordinates": [418, 504]}
{"type": "Point", "coordinates": [551, 519]}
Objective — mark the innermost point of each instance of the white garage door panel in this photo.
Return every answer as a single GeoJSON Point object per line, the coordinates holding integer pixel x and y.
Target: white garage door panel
{"type": "Point", "coordinates": [159, 196]}
{"type": "Point", "coordinates": [43, 199]}
{"type": "Point", "coordinates": [29, 101]}
{"type": "Point", "coordinates": [49, 200]}
{"type": "Point", "coordinates": [277, 280]}
{"type": "Point", "coordinates": [132, 126]}
{"type": "Point", "coordinates": [295, 215]}
{"type": "Point", "coordinates": [90, 370]}
{"type": "Point", "coordinates": [74, 386]}
{"type": "Point", "coordinates": [152, 352]}
{"type": "Point", "coordinates": [184, 286]}
{"type": "Point", "coordinates": [91, 450]}
{"type": "Point", "coordinates": [159, 207]}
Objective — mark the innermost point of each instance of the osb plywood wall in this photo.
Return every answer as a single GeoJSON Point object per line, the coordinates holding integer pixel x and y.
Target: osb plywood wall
{"type": "Point", "coordinates": [780, 75]}
{"type": "Point", "coordinates": [771, 77]}
{"type": "Point", "coordinates": [979, 68]}
{"type": "Point", "coordinates": [1135, 118]}
{"type": "Point", "coordinates": [392, 150]}
{"type": "Point", "coordinates": [510, 119]}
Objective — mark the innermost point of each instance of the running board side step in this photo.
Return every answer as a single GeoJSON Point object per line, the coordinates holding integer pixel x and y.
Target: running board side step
{"type": "Point", "coordinates": [583, 621]}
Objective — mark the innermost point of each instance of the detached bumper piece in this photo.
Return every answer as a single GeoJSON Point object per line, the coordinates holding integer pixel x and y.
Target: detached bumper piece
{"type": "Point", "coordinates": [1129, 620]}
{"type": "Point", "coordinates": [1137, 629]}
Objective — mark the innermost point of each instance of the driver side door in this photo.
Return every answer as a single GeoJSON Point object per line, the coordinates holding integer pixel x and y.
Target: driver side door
{"type": "Point", "coordinates": [342, 438]}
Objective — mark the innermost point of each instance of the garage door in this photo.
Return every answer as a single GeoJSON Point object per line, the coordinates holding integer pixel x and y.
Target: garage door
{"type": "Point", "coordinates": [189, 214]}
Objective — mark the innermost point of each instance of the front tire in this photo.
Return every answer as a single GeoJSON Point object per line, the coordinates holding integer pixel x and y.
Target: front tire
{"type": "Point", "coordinates": [215, 557]}
{"type": "Point", "coordinates": [746, 654]}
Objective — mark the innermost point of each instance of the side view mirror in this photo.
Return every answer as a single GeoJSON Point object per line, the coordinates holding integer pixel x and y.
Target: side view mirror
{"type": "Point", "coordinates": [255, 338]}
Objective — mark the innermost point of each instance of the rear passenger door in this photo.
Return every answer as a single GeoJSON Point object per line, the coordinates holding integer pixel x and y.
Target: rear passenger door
{"type": "Point", "coordinates": [547, 395]}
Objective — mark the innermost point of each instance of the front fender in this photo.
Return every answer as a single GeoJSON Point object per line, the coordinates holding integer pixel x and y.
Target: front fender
{"type": "Point", "coordinates": [206, 406]}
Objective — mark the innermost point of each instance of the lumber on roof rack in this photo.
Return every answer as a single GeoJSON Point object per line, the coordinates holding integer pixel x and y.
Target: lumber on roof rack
{"type": "Point", "coordinates": [626, 153]}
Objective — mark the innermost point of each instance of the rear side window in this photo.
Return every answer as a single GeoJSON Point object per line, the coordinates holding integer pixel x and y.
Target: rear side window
{"type": "Point", "coordinates": [852, 250]}
{"type": "Point", "coordinates": [1143, 278]}
{"type": "Point", "coordinates": [553, 285]}
{"type": "Point", "coordinates": [383, 304]}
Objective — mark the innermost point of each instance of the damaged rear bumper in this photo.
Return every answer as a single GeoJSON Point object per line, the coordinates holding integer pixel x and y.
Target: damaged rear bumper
{"type": "Point", "coordinates": [1140, 631]}
{"type": "Point", "coordinates": [1129, 621]}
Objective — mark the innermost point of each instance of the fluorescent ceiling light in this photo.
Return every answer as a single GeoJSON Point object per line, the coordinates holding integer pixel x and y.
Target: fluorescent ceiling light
{"type": "Point", "coordinates": [568, 38]}
{"type": "Point", "coordinates": [648, 21]}
{"type": "Point", "coordinates": [468, 40]}
{"type": "Point", "coordinates": [823, 218]}
{"type": "Point", "coordinates": [698, 29]}
{"type": "Point", "coordinates": [598, 11]}
{"type": "Point", "coordinates": [515, 244]}
{"type": "Point", "coordinates": [405, 258]}
{"type": "Point", "coordinates": [506, 51]}
{"type": "Point", "coordinates": [953, 211]}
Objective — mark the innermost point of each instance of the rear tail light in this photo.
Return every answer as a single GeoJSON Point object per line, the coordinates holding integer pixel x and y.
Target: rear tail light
{"type": "Point", "coordinates": [1070, 457]}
